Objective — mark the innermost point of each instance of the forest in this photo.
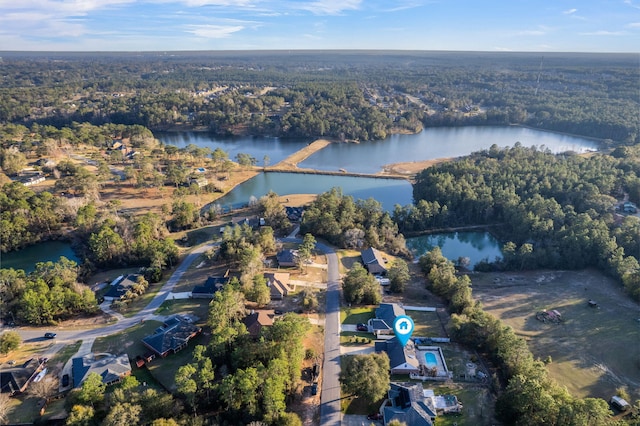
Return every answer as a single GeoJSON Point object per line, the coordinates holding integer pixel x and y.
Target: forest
{"type": "Point", "coordinates": [552, 211]}
{"type": "Point", "coordinates": [343, 95]}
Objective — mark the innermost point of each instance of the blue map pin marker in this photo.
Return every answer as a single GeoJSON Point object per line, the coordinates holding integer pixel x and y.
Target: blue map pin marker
{"type": "Point", "coordinates": [403, 328]}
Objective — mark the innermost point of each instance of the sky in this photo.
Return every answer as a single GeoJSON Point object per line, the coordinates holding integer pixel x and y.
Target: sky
{"type": "Point", "coordinates": [469, 25]}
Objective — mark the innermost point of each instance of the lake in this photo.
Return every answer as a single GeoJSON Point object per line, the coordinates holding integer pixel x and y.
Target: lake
{"type": "Point", "coordinates": [433, 143]}
{"type": "Point", "coordinates": [477, 246]}
{"type": "Point", "coordinates": [388, 192]}
{"type": "Point", "coordinates": [276, 149]}
{"type": "Point", "coordinates": [27, 258]}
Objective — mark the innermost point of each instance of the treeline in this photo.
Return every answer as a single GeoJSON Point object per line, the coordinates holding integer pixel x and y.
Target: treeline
{"type": "Point", "coordinates": [554, 211]}
{"type": "Point", "coordinates": [529, 395]}
{"type": "Point", "coordinates": [352, 224]}
{"type": "Point", "coordinates": [52, 292]}
{"type": "Point", "coordinates": [28, 217]}
{"type": "Point", "coordinates": [582, 94]}
{"type": "Point", "coordinates": [239, 376]}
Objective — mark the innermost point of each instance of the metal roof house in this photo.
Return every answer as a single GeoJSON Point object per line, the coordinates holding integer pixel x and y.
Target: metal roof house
{"type": "Point", "coordinates": [374, 261]}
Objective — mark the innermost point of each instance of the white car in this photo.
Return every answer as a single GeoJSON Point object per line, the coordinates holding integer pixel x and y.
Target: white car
{"type": "Point", "coordinates": [382, 280]}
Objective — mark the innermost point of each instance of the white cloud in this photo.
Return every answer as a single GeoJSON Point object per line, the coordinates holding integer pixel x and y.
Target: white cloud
{"type": "Point", "coordinates": [634, 25]}
{"type": "Point", "coordinates": [328, 7]}
{"type": "Point", "coordinates": [603, 33]}
{"type": "Point", "coordinates": [503, 49]}
{"type": "Point", "coordinates": [532, 33]}
{"type": "Point", "coordinates": [570, 11]}
{"type": "Point", "coordinates": [214, 31]}
{"type": "Point", "coordinates": [632, 4]}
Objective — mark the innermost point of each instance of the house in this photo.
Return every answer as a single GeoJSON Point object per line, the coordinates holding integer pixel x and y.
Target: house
{"type": "Point", "coordinates": [120, 286]}
{"type": "Point", "coordinates": [201, 182]}
{"type": "Point", "coordinates": [256, 320]}
{"type": "Point", "coordinates": [15, 380]}
{"type": "Point", "coordinates": [402, 359]}
{"type": "Point", "coordinates": [407, 403]}
{"type": "Point", "coordinates": [172, 337]}
{"type": "Point", "coordinates": [209, 288]}
{"type": "Point", "coordinates": [287, 258]}
{"type": "Point", "coordinates": [294, 214]}
{"type": "Point", "coordinates": [386, 314]}
{"type": "Point", "coordinates": [112, 368]}
{"type": "Point", "coordinates": [374, 261]}
{"type": "Point", "coordinates": [30, 178]}
{"type": "Point", "coordinates": [278, 283]}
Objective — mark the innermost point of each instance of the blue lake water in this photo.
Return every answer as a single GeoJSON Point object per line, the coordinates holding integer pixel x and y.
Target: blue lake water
{"type": "Point", "coordinates": [27, 258]}
{"type": "Point", "coordinates": [388, 192]}
{"type": "Point", "coordinates": [477, 246]}
{"type": "Point", "coordinates": [276, 149]}
{"type": "Point", "coordinates": [433, 143]}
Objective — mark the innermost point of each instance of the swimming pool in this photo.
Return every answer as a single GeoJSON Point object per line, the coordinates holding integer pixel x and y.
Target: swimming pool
{"type": "Point", "coordinates": [430, 359]}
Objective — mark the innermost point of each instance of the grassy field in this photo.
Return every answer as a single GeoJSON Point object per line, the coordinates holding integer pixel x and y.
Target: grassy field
{"type": "Point", "coordinates": [197, 307]}
{"type": "Point", "coordinates": [594, 351]}
{"type": "Point", "coordinates": [427, 324]}
{"type": "Point", "coordinates": [57, 362]}
{"type": "Point", "coordinates": [129, 341]}
{"type": "Point", "coordinates": [356, 315]}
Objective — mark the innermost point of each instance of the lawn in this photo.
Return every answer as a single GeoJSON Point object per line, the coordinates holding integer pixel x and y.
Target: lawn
{"type": "Point", "coordinates": [197, 307]}
{"type": "Point", "coordinates": [427, 324]}
{"type": "Point", "coordinates": [129, 340]}
{"type": "Point", "coordinates": [162, 370]}
{"type": "Point", "coordinates": [356, 315]}
{"type": "Point", "coordinates": [142, 301]}
{"type": "Point", "coordinates": [24, 409]}
{"type": "Point", "coordinates": [594, 351]}
{"type": "Point", "coordinates": [57, 362]}
{"type": "Point", "coordinates": [477, 405]}
{"type": "Point", "coordinates": [27, 351]}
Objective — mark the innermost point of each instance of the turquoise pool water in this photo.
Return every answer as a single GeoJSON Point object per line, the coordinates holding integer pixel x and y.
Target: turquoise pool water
{"type": "Point", "coordinates": [431, 359]}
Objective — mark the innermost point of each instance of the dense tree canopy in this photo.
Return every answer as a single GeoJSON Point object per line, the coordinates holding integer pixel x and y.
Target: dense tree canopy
{"type": "Point", "coordinates": [554, 211]}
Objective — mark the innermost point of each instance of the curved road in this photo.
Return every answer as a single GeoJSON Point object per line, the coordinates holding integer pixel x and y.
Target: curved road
{"type": "Point", "coordinates": [330, 393]}
{"type": "Point", "coordinates": [148, 311]}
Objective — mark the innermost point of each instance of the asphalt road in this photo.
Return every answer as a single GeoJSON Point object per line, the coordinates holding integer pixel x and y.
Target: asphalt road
{"type": "Point", "coordinates": [330, 393]}
{"type": "Point", "coordinates": [33, 334]}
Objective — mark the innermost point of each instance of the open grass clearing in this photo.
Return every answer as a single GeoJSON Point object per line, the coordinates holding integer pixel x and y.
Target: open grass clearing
{"type": "Point", "coordinates": [594, 351]}
{"type": "Point", "coordinates": [24, 409]}
{"type": "Point", "coordinates": [128, 341]}
{"type": "Point", "coordinates": [57, 362]}
{"type": "Point", "coordinates": [26, 351]}
{"type": "Point", "coordinates": [197, 307]}
{"type": "Point", "coordinates": [427, 324]}
{"type": "Point", "coordinates": [357, 315]}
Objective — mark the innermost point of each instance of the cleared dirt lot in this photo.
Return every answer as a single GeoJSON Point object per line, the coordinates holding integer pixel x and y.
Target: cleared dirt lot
{"type": "Point", "coordinates": [594, 350]}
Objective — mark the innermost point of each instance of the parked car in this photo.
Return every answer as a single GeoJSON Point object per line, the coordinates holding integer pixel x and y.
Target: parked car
{"type": "Point", "coordinates": [50, 335]}
{"type": "Point", "coordinates": [65, 380]}
{"type": "Point", "coordinates": [362, 327]}
{"type": "Point", "coordinates": [314, 388]}
{"type": "Point", "coordinates": [376, 416]}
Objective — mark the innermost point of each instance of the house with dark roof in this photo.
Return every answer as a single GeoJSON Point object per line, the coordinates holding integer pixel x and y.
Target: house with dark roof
{"type": "Point", "coordinates": [209, 288]}
{"type": "Point", "coordinates": [16, 379]}
{"type": "Point", "coordinates": [257, 320]}
{"type": "Point", "coordinates": [402, 359]}
{"type": "Point", "coordinates": [111, 368]}
{"type": "Point", "coordinates": [408, 404]}
{"type": "Point", "coordinates": [287, 258]}
{"type": "Point", "coordinates": [294, 214]}
{"type": "Point", "coordinates": [374, 261]}
{"type": "Point", "coordinates": [173, 336]}
{"type": "Point", "coordinates": [278, 283]}
{"type": "Point", "coordinates": [120, 286]}
{"type": "Point", "coordinates": [386, 314]}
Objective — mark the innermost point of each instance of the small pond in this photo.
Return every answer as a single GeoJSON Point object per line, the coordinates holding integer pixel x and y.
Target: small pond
{"type": "Point", "coordinates": [27, 258]}
{"type": "Point", "coordinates": [477, 246]}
